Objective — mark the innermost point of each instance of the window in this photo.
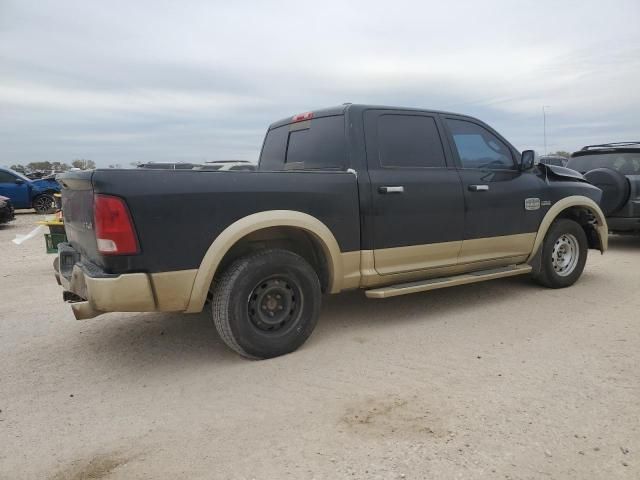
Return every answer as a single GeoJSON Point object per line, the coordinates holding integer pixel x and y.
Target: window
{"type": "Point", "coordinates": [624, 162]}
{"type": "Point", "coordinates": [410, 141]}
{"type": "Point", "coordinates": [274, 149]}
{"type": "Point", "coordinates": [6, 177]}
{"type": "Point", "coordinates": [322, 145]}
{"type": "Point", "coordinates": [478, 147]}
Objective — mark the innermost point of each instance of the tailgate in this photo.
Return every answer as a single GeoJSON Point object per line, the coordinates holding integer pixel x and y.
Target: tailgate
{"type": "Point", "coordinates": [77, 209]}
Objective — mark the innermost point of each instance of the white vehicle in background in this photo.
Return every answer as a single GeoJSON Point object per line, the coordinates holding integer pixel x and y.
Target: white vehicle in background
{"type": "Point", "coordinates": [225, 165]}
{"type": "Point", "coordinates": [220, 165]}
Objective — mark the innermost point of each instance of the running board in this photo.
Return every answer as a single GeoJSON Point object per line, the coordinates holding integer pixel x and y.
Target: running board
{"type": "Point", "coordinates": [435, 283]}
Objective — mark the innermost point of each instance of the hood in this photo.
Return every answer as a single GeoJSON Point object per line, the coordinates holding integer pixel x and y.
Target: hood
{"type": "Point", "coordinates": [45, 184]}
{"type": "Point", "coordinates": [562, 172]}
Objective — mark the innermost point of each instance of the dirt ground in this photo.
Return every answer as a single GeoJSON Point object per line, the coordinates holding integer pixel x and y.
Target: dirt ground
{"type": "Point", "coordinates": [502, 379]}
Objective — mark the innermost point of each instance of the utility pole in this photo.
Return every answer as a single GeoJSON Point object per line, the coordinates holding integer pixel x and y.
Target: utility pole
{"type": "Point", "coordinates": [544, 126]}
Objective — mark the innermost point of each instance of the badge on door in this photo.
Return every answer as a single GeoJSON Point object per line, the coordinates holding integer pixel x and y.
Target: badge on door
{"type": "Point", "coordinates": [531, 203]}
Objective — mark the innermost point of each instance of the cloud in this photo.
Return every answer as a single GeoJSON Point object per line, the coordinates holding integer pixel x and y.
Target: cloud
{"type": "Point", "coordinates": [128, 81]}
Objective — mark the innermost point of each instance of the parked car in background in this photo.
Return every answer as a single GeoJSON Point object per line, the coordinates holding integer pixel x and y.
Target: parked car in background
{"type": "Point", "coordinates": [556, 160]}
{"type": "Point", "coordinates": [226, 165]}
{"type": "Point", "coordinates": [169, 165]}
{"type": "Point", "coordinates": [42, 174]}
{"type": "Point", "coordinates": [27, 193]}
{"type": "Point", "coordinates": [6, 210]}
{"type": "Point", "coordinates": [390, 200]}
{"type": "Point", "coordinates": [615, 169]}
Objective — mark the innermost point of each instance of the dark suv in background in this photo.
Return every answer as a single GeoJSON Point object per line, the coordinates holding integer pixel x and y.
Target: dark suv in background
{"type": "Point", "coordinates": [615, 169]}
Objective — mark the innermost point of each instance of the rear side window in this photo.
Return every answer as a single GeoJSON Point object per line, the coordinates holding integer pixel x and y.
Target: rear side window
{"type": "Point", "coordinates": [479, 148]}
{"type": "Point", "coordinates": [318, 144]}
{"type": "Point", "coordinates": [409, 141]}
{"type": "Point", "coordinates": [274, 149]}
{"type": "Point", "coordinates": [625, 163]}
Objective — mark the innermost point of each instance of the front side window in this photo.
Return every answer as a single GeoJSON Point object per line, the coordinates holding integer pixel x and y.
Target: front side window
{"type": "Point", "coordinates": [409, 141]}
{"type": "Point", "coordinates": [479, 148]}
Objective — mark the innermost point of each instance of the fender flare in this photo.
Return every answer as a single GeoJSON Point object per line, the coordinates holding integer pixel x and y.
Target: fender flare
{"type": "Point", "coordinates": [258, 221]}
{"type": "Point", "coordinates": [561, 205]}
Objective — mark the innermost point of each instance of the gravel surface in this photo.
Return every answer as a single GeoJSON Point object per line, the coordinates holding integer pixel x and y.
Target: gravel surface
{"type": "Point", "coordinates": [502, 379]}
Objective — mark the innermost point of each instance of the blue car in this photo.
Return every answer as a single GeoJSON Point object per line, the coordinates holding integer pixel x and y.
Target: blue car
{"type": "Point", "coordinates": [25, 193]}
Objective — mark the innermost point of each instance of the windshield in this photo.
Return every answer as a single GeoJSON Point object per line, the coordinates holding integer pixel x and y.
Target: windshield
{"type": "Point", "coordinates": [19, 175]}
{"type": "Point", "coordinates": [625, 163]}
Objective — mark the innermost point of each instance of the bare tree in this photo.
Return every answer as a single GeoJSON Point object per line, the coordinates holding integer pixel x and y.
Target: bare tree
{"type": "Point", "coordinates": [84, 164]}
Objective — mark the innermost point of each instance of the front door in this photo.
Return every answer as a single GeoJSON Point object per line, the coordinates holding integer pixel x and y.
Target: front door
{"type": "Point", "coordinates": [417, 200]}
{"type": "Point", "coordinates": [498, 224]}
{"type": "Point", "coordinates": [17, 192]}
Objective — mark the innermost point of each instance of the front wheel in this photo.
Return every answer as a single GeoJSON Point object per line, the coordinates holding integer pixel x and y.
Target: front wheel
{"type": "Point", "coordinates": [564, 254]}
{"type": "Point", "coordinates": [44, 204]}
{"type": "Point", "coordinates": [266, 304]}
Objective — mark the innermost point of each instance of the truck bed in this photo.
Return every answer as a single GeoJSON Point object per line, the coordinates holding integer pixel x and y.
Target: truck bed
{"type": "Point", "coordinates": [177, 214]}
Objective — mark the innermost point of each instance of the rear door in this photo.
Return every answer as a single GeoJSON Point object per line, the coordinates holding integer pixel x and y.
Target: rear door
{"type": "Point", "coordinates": [17, 192]}
{"type": "Point", "coordinates": [417, 200]}
{"type": "Point", "coordinates": [497, 224]}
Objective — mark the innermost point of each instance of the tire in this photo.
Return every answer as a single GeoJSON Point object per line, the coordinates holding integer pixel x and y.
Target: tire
{"type": "Point", "coordinates": [560, 266]}
{"type": "Point", "coordinates": [266, 304]}
{"type": "Point", "coordinates": [615, 188]}
{"type": "Point", "coordinates": [44, 204]}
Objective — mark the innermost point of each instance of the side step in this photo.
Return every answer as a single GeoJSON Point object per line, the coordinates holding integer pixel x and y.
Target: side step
{"type": "Point", "coordinates": [435, 283]}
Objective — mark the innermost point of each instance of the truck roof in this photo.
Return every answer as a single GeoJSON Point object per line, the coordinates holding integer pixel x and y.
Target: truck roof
{"type": "Point", "coordinates": [342, 109]}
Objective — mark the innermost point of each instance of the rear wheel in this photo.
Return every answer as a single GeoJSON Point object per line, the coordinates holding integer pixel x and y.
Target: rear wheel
{"type": "Point", "coordinates": [44, 203]}
{"type": "Point", "coordinates": [564, 254]}
{"type": "Point", "coordinates": [266, 304]}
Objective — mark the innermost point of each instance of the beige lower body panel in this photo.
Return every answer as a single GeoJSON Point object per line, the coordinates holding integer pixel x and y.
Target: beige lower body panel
{"type": "Point", "coordinates": [371, 278]}
{"type": "Point", "coordinates": [132, 292]}
{"type": "Point", "coordinates": [416, 257]}
{"type": "Point", "coordinates": [492, 248]}
{"type": "Point", "coordinates": [173, 291]}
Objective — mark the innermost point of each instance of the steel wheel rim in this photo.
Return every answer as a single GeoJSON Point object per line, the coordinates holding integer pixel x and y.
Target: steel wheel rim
{"type": "Point", "coordinates": [565, 254]}
{"type": "Point", "coordinates": [274, 305]}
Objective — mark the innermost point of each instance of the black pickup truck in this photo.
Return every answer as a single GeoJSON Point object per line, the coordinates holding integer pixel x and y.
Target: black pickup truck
{"type": "Point", "coordinates": [389, 200]}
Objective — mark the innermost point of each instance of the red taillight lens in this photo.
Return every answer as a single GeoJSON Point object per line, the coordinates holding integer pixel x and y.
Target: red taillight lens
{"type": "Point", "coordinates": [113, 225]}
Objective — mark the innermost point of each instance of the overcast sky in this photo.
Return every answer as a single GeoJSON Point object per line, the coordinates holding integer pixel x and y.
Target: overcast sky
{"type": "Point", "coordinates": [126, 81]}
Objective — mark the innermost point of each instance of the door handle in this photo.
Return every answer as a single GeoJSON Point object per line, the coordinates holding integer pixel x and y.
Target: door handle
{"type": "Point", "coordinates": [395, 189]}
{"type": "Point", "coordinates": [478, 188]}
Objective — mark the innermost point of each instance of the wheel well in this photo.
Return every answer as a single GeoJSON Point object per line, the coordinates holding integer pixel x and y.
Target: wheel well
{"type": "Point", "coordinates": [46, 192]}
{"type": "Point", "coordinates": [293, 239]}
{"type": "Point", "coordinates": [585, 218]}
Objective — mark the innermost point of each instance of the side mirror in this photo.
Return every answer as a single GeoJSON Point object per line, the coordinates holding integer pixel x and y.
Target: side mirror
{"type": "Point", "coordinates": [19, 181]}
{"type": "Point", "coordinates": [528, 160]}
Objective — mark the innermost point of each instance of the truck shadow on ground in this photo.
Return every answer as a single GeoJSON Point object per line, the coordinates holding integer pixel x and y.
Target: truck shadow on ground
{"type": "Point", "coordinates": [624, 243]}
{"type": "Point", "coordinates": [165, 338]}
{"type": "Point", "coordinates": [352, 310]}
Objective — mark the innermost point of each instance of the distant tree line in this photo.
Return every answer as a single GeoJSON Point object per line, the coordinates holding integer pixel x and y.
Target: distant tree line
{"type": "Point", "coordinates": [80, 163]}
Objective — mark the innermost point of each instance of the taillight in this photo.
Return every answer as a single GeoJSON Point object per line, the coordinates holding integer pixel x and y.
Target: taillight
{"type": "Point", "coordinates": [114, 229]}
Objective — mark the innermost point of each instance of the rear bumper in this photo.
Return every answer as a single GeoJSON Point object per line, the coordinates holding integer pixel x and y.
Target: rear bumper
{"type": "Point", "coordinates": [623, 224]}
{"type": "Point", "coordinates": [92, 292]}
